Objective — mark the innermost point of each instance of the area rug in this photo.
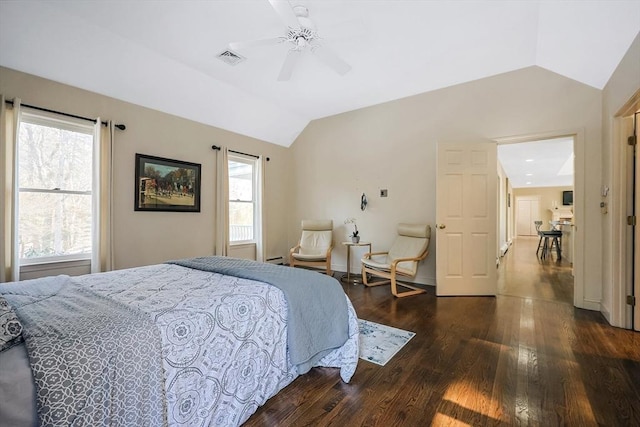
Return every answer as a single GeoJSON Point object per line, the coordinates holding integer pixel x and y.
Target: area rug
{"type": "Point", "coordinates": [379, 343]}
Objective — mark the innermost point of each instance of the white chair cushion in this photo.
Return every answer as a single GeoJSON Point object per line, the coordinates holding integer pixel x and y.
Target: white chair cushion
{"type": "Point", "coordinates": [306, 257]}
{"type": "Point", "coordinates": [378, 262]}
{"type": "Point", "coordinates": [383, 262]}
{"type": "Point", "coordinates": [407, 247]}
{"type": "Point", "coordinates": [414, 230]}
{"type": "Point", "coordinates": [411, 242]}
{"type": "Point", "coordinates": [315, 243]}
{"type": "Point", "coordinates": [317, 224]}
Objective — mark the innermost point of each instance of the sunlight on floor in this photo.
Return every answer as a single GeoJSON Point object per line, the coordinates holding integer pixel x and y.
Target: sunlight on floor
{"type": "Point", "coordinates": [461, 394]}
{"type": "Point", "coordinates": [445, 420]}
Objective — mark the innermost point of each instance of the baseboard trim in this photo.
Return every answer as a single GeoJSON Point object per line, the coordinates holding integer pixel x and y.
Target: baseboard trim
{"type": "Point", "coordinates": [593, 305]}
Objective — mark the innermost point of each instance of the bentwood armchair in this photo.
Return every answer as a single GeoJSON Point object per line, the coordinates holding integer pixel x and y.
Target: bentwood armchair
{"type": "Point", "coordinates": [315, 245]}
{"type": "Point", "coordinates": [410, 246]}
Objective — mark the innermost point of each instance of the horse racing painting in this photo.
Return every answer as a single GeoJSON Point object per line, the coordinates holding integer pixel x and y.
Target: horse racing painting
{"type": "Point", "coordinates": [166, 185]}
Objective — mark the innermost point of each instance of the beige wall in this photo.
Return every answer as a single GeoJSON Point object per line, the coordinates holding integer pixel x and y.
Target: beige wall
{"type": "Point", "coordinates": [623, 84]}
{"type": "Point", "coordinates": [143, 238]}
{"type": "Point", "coordinates": [393, 146]}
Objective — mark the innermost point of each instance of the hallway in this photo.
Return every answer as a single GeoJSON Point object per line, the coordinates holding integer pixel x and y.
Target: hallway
{"type": "Point", "coordinates": [523, 274]}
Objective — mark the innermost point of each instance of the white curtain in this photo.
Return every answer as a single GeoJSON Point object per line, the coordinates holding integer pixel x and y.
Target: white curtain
{"type": "Point", "coordinates": [102, 250]}
{"type": "Point", "coordinates": [222, 203]}
{"type": "Point", "coordinates": [102, 227]}
{"type": "Point", "coordinates": [261, 243]}
{"type": "Point", "coordinates": [9, 122]}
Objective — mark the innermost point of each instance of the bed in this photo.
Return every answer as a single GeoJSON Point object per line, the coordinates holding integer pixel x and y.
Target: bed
{"type": "Point", "coordinates": [195, 342]}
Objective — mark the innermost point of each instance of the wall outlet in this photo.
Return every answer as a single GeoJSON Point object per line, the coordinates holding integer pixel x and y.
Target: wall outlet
{"type": "Point", "coordinates": [383, 193]}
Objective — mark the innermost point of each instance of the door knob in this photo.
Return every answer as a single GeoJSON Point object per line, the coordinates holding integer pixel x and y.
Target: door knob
{"type": "Point", "coordinates": [441, 226]}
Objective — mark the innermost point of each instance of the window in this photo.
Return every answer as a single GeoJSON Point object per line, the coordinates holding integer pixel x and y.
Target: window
{"type": "Point", "coordinates": [55, 173]}
{"type": "Point", "coordinates": [242, 199]}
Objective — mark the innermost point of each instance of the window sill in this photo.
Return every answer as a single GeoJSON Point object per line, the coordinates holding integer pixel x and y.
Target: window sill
{"type": "Point", "coordinates": [54, 268]}
{"type": "Point", "coordinates": [55, 260]}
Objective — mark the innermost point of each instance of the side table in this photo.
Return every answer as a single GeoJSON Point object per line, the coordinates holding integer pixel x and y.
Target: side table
{"type": "Point", "coordinates": [346, 278]}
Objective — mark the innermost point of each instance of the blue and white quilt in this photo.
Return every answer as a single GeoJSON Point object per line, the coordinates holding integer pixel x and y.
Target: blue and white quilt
{"type": "Point", "coordinates": [94, 361]}
{"type": "Point", "coordinates": [224, 339]}
{"type": "Point", "coordinates": [317, 319]}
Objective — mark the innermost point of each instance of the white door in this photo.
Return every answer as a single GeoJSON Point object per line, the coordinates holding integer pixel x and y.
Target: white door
{"type": "Point", "coordinates": [466, 219]}
{"type": "Point", "coordinates": [523, 217]}
{"type": "Point", "coordinates": [527, 211]}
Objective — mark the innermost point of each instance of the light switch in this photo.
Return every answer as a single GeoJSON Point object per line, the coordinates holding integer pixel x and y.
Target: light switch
{"type": "Point", "coordinates": [603, 208]}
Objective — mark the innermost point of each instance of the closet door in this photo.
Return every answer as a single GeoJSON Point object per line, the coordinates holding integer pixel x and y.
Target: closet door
{"type": "Point", "coordinates": [527, 211]}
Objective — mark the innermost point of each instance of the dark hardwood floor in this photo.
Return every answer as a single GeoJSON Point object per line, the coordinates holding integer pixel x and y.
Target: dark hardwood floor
{"type": "Point", "coordinates": [525, 357]}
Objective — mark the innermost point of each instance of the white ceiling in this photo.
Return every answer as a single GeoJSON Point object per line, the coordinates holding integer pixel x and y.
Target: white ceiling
{"type": "Point", "coordinates": [547, 163]}
{"type": "Point", "coordinates": [162, 54]}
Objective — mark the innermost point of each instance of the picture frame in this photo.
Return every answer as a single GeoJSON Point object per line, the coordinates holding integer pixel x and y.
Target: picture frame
{"type": "Point", "coordinates": [166, 185]}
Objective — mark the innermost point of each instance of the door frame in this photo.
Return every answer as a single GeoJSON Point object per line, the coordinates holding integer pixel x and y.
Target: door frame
{"type": "Point", "coordinates": [621, 252]}
{"type": "Point", "coordinates": [578, 135]}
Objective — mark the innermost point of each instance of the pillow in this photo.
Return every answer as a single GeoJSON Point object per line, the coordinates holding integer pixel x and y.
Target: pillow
{"type": "Point", "coordinates": [10, 326]}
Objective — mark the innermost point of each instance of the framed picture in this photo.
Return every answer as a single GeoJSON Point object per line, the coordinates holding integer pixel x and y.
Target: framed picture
{"type": "Point", "coordinates": [166, 185]}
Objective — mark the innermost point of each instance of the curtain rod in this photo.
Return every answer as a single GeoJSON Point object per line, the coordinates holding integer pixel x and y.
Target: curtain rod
{"type": "Point", "coordinates": [215, 147]}
{"type": "Point", "coordinates": [119, 126]}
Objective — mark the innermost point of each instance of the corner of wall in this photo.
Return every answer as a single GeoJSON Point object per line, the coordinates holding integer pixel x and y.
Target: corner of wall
{"type": "Point", "coordinates": [606, 313]}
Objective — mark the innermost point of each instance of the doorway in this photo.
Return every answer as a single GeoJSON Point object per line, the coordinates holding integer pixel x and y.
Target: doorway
{"type": "Point", "coordinates": [623, 204]}
{"type": "Point", "coordinates": [540, 174]}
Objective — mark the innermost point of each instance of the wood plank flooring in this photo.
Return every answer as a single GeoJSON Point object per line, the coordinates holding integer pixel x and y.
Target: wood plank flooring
{"type": "Point", "coordinates": [525, 357]}
{"type": "Point", "coordinates": [523, 274]}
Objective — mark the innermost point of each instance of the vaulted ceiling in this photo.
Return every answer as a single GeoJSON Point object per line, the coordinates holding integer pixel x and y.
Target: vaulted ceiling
{"type": "Point", "coordinates": [163, 54]}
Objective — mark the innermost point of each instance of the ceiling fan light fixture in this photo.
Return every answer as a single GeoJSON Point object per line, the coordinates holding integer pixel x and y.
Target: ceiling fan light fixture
{"type": "Point", "coordinates": [300, 35]}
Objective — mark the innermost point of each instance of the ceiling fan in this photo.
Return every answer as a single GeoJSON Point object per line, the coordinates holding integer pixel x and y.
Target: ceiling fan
{"type": "Point", "coordinates": [300, 35]}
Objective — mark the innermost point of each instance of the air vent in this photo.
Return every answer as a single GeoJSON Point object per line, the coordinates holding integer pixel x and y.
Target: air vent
{"type": "Point", "coordinates": [231, 57]}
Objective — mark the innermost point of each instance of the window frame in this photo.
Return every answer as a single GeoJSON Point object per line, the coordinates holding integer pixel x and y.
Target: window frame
{"type": "Point", "coordinates": [48, 119]}
{"type": "Point", "coordinates": [250, 160]}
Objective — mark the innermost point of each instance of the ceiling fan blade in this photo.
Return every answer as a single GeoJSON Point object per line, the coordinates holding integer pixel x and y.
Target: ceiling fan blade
{"type": "Point", "coordinates": [332, 60]}
{"type": "Point", "coordinates": [285, 12]}
{"type": "Point", "coordinates": [255, 43]}
{"type": "Point", "coordinates": [287, 66]}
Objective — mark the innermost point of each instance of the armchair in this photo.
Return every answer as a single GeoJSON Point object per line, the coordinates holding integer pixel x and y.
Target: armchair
{"type": "Point", "coordinates": [315, 245]}
{"type": "Point", "coordinates": [410, 246]}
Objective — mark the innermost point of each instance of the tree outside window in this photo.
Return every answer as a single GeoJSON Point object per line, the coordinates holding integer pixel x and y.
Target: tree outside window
{"type": "Point", "coordinates": [55, 162]}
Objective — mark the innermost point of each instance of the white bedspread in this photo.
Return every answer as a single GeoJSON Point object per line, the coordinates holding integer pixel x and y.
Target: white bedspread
{"type": "Point", "coordinates": [224, 339]}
